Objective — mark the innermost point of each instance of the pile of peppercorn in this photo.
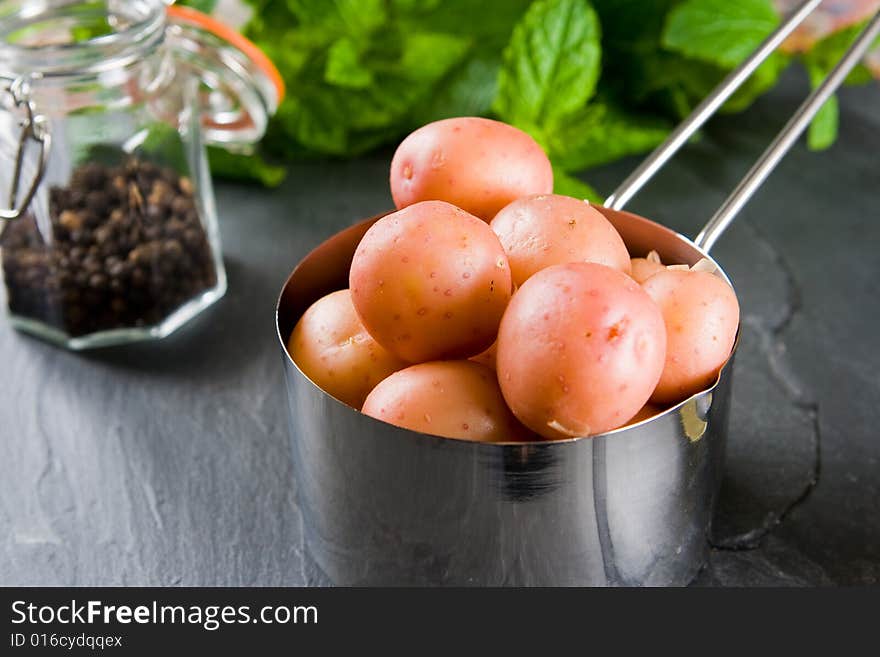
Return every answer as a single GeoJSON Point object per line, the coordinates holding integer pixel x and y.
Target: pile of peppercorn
{"type": "Point", "coordinates": [125, 248]}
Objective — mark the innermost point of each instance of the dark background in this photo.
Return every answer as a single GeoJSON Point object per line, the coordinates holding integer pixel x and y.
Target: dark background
{"type": "Point", "coordinates": [167, 463]}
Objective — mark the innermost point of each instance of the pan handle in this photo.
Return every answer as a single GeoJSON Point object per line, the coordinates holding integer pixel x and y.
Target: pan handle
{"type": "Point", "coordinates": [786, 138]}
{"type": "Point", "coordinates": [719, 95]}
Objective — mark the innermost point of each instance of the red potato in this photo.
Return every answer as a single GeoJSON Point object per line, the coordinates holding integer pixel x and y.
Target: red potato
{"type": "Point", "coordinates": [430, 282]}
{"type": "Point", "coordinates": [455, 399]}
{"type": "Point", "coordinates": [580, 349]}
{"type": "Point", "coordinates": [644, 268]}
{"type": "Point", "coordinates": [702, 316]}
{"type": "Point", "coordinates": [477, 164]}
{"type": "Point", "coordinates": [333, 349]}
{"type": "Point", "coordinates": [549, 229]}
{"type": "Point", "coordinates": [648, 411]}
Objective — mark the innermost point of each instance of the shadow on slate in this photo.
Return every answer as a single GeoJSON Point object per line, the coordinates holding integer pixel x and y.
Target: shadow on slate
{"type": "Point", "coordinates": [220, 340]}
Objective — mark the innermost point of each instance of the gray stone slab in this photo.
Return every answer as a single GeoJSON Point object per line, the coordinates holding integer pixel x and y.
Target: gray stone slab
{"type": "Point", "coordinates": [167, 463]}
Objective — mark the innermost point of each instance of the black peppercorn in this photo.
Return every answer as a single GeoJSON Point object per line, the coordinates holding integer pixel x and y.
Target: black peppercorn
{"type": "Point", "coordinates": [127, 248]}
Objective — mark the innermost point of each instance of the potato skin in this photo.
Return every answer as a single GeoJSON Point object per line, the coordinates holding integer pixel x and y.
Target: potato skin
{"type": "Point", "coordinates": [430, 282]}
{"type": "Point", "coordinates": [580, 349]}
{"type": "Point", "coordinates": [702, 316]}
{"type": "Point", "coordinates": [455, 399]}
{"type": "Point", "coordinates": [648, 411]}
{"type": "Point", "coordinates": [477, 164]}
{"type": "Point", "coordinates": [550, 229]}
{"type": "Point", "coordinates": [643, 269]}
{"type": "Point", "coordinates": [334, 350]}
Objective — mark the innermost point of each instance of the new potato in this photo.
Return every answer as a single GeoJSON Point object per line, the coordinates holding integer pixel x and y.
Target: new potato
{"type": "Point", "coordinates": [644, 268]}
{"type": "Point", "coordinates": [456, 399]}
{"type": "Point", "coordinates": [539, 322]}
{"type": "Point", "coordinates": [702, 315]}
{"type": "Point", "coordinates": [333, 349]}
{"type": "Point", "coordinates": [477, 164]}
{"type": "Point", "coordinates": [580, 349]}
{"type": "Point", "coordinates": [430, 282]}
{"type": "Point", "coordinates": [647, 412]}
{"type": "Point", "coordinates": [550, 229]}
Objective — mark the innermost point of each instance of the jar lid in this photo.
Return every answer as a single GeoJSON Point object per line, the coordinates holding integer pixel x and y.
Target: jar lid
{"type": "Point", "coordinates": [241, 87]}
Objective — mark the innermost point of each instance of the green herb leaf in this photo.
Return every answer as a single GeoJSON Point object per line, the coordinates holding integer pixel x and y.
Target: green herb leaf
{"type": "Point", "coordinates": [822, 132]}
{"type": "Point", "coordinates": [602, 132]}
{"type": "Point", "coordinates": [552, 63]}
{"type": "Point", "coordinates": [675, 84]}
{"type": "Point", "coordinates": [351, 93]}
{"type": "Point", "coordinates": [488, 25]}
{"type": "Point", "coordinates": [205, 6]}
{"type": "Point", "coordinates": [823, 129]}
{"type": "Point", "coordinates": [719, 31]}
{"type": "Point", "coordinates": [826, 53]}
{"type": "Point", "coordinates": [632, 25]}
{"type": "Point", "coordinates": [361, 73]}
{"type": "Point", "coordinates": [761, 81]}
{"type": "Point", "coordinates": [344, 68]}
{"type": "Point", "coordinates": [469, 87]}
{"type": "Point", "coordinates": [352, 17]}
{"type": "Point", "coordinates": [467, 91]}
{"type": "Point", "coordinates": [414, 5]}
{"type": "Point", "coordinates": [568, 185]}
{"type": "Point", "coordinates": [249, 168]}
{"type": "Point", "coordinates": [427, 56]}
{"type": "Point", "coordinates": [819, 62]}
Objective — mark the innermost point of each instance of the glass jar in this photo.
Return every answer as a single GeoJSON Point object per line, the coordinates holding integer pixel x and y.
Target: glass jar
{"type": "Point", "coordinates": [110, 234]}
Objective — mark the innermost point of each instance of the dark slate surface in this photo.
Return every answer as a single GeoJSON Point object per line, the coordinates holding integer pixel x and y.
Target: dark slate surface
{"type": "Point", "coordinates": [167, 463]}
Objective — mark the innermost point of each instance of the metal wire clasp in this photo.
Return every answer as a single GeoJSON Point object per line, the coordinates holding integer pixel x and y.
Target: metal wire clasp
{"type": "Point", "coordinates": [34, 127]}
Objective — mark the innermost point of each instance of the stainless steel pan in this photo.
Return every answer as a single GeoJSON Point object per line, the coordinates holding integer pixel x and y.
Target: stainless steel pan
{"type": "Point", "coordinates": [384, 505]}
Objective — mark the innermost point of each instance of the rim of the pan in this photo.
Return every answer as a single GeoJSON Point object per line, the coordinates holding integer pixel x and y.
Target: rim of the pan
{"type": "Point", "coordinates": [512, 443]}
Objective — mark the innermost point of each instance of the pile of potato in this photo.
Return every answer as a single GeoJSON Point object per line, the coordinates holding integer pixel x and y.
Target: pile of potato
{"type": "Point", "coordinates": [488, 308]}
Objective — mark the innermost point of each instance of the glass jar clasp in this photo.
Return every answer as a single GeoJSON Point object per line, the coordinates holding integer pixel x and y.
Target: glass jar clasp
{"type": "Point", "coordinates": [34, 127]}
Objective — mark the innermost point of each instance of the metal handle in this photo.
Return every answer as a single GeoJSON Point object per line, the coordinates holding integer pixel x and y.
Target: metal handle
{"type": "Point", "coordinates": [787, 137]}
{"type": "Point", "coordinates": [34, 127]}
{"type": "Point", "coordinates": [719, 95]}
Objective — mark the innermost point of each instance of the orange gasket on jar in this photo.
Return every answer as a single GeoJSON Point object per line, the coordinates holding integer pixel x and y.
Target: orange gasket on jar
{"type": "Point", "coordinates": [234, 38]}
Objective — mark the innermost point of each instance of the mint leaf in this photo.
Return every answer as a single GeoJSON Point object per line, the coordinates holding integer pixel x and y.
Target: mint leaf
{"type": "Point", "coordinates": [488, 24]}
{"type": "Point", "coordinates": [353, 17]}
{"type": "Point", "coordinates": [334, 115]}
{"type": "Point", "coordinates": [429, 55]}
{"type": "Point", "coordinates": [632, 25]}
{"type": "Point", "coordinates": [249, 168]}
{"type": "Point", "coordinates": [822, 132]}
{"type": "Point", "coordinates": [350, 89]}
{"type": "Point", "coordinates": [602, 132]}
{"type": "Point", "coordinates": [568, 185]}
{"type": "Point", "coordinates": [344, 68]}
{"type": "Point", "coordinates": [861, 74]}
{"type": "Point", "coordinates": [819, 62]}
{"type": "Point", "coordinates": [469, 87]}
{"type": "Point", "coordinates": [826, 53]}
{"type": "Point", "coordinates": [674, 84]}
{"type": "Point", "coordinates": [467, 91]}
{"type": "Point", "coordinates": [360, 73]}
{"type": "Point", "coordinates": [719, 31]}
{"type": "Point", "coordinates": [823, 128]}
{"type": "Point", "coordinates": [204, 6]}
{"type": "Point", "coordinates": [414, 5]}
{"type": "Point", "coordinates": [762, 80]}
{"type": "Point", "coordinates": [552, 63]}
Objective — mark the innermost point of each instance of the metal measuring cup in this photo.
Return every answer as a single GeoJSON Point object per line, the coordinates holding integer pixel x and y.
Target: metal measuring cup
{"type": "Point", "coordinates": [383, 505]}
